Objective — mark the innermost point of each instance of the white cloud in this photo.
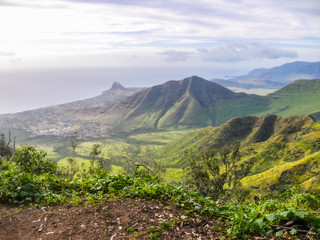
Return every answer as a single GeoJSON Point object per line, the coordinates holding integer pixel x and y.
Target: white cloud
{"type": "Point", "coordinates": [241, 51]}
{"type": "Point", "coordinates": [7, 54]}
{"type": "Point", "coordinates": [58, 29]}
{"type": "Point", "coordinates": [173, 55]}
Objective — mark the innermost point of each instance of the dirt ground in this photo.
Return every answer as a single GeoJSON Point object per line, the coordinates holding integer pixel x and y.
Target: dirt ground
{"type": "Point", "coordinates": [112, 220]}
{"type": "Point", "coordinates": [121, 219]}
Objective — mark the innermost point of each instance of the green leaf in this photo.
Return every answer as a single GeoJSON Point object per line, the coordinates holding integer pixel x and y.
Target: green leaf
{"type": "Point", "coordinates": [293, 232]}
{"type": "Point", "coordinates": [271, 217]}
{"type": "Point", "coordinates": [287, 214]}
{"type": "Point", "coordinates": [260, 222]}
{"type": "Point", "coordinates": [300, 214]}
{"type": "Point", "coordinates": [279, 234]}
{"type": "Point", "coordinates": [27, 186]}
{"type": "Point", "coordinates": [24, 194]}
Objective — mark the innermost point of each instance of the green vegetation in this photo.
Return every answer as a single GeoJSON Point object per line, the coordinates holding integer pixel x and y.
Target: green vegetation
{"type": "Point", "coordinates": [277, 151]}
{"type": "Point", "coordinates": [194, 102]}
{"type": "Point", "coordinates": [216, 174]}
{"type": "Point", "coordinates": [263, 171]}
{"type": "Point", "coordinates": [297, 98]}
{"type": "Point", "coordinates": [266, 216]}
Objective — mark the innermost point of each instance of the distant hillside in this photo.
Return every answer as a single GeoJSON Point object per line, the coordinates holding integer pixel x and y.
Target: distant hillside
{"type": "Point", "coordinates": [191, 102]}
{"type": "Point", "coordinates": [195, 102]}
{"type": "Point", "coordinates": [61, 121]}
{"type": "Point", "coordinates": [274, 77]}
{"type": "Point", "coordinates": [116, 93]}
{"type": "Point", "coordinates": [281, 151]}
{"type": "Point", "coordinates": [298, 98]}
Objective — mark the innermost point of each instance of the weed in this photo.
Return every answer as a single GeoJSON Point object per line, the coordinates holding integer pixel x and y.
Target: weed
{"type": "Point", "coordinates": [155, 235]}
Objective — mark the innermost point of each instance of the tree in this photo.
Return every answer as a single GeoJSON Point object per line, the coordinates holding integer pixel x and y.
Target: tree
{"type": "Point", "coordinates": [95, 152]}
{"type": "Point", "coordinates": [216, 172]}
{"type": "Point", "coordinates": [31, 160]}
{"type": "Point", "coordinates": [5, 149]}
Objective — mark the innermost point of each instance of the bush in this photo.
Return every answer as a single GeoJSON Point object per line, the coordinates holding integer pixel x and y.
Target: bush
{"type": "Point", "coordinates": [216, 173]}
{"type": "Point", "coordinates": [30, 160]}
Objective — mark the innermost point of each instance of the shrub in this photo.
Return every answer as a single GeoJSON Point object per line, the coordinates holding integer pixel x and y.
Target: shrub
{"type": "Point", "coordinates": [31, 160]}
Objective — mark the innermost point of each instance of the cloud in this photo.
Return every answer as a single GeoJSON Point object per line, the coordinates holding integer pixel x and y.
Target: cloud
{"type": "Point", "coordinates": [241, 51]}
{"type": "Point", "coordinates": [7, 54]}
{"type": "Point", "coordinates": [174, 56]}
{"type": "Point", "coordinates": [32, 4]}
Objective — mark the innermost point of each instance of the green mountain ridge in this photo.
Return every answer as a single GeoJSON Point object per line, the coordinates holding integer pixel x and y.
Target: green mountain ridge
{"type": "Point", "coordinates": [280, 150]}
{"type": "Point", "coordinates": [195, 102]}
{"type": "Point", "coordinates": [298, 98]}
{"type": "Point", "coordinates": [191, 102]}
{"type": "Point", "coordinates": [186, 104]}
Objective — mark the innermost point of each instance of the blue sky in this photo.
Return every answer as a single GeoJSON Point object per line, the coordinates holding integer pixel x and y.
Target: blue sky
{"type": "Point", "coordinates": [89, 44]}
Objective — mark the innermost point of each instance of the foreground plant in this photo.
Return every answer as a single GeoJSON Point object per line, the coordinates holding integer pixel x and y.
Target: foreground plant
{"type": "Point", "coordinates": [18, 184]}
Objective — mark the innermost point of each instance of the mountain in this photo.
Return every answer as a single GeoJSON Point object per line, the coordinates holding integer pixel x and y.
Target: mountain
{"type": "Point", "coordinates": [297, 98]}
{"type": "Point", "coordinates": [191, 102]}
{"type": "Point", "coordinates": [116, 93]}
{"type": "Point", "coordinates": [58, 120]}
{"type": "Point", "coordinates": [196, 102]}
{"type": "Point", "coordinates": [275, 77]}
{"type": "Point", "coordinates": [280, 151]}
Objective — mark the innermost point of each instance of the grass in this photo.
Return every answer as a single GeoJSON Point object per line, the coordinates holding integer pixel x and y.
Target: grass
{"type": "Point", "coordinates": [174, 175]}
{"type": "Point", "coordinates": [297, 170]}
{"type": "Point", "coordinates": [298, 98]}
{"type": "Point", "coordinates": [156, 138]}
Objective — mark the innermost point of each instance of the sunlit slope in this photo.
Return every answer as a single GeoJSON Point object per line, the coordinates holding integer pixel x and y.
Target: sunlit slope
{"type": "Point", "coordinates": [298, 98]}
{"type": "Point", "coordinates": [191, 102]}
{"type": "Point", "coordinates": [283, 146]}
{"type": "Point", "coordinates": [195, 102]}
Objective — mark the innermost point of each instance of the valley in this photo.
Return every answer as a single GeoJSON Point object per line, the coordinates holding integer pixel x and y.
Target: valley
{"type": "Point", "coordinates": [166, 142]}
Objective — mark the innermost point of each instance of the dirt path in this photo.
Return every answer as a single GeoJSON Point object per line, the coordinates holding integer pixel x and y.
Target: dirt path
{"type": "Point", "coordinates": [121, 219]}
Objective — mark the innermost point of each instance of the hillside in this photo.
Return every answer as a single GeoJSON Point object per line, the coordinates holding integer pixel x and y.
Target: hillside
{"type": "Point", "coordinates": [60, 120]}
{"type": "Point", "coordinates": [275, 77]}
{"type": "Point", "coordinates": [191, 102]}
{"type": "Point", "coordinates": [297, 98]}
{"type": "Point", "coordinates": [186, 104]}
{"type": "Point", "coordinates": [196, 102]}
{"type": "Point", "coordinates": [116, 93]}
{"type": "Point", "coordinates": [281, 151]}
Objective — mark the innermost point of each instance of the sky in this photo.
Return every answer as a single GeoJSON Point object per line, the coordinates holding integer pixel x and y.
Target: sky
{"type": "Point", "coordinates": [56, 51]}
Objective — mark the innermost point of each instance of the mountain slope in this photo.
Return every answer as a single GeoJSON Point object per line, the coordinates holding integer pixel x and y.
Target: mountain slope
{"type": "Point", "coordinates": [274, 77]}
{"type": "Point", "coordinates": [287, 73]}
{"type": "Point", "coordinates": [66, 119]}
{"type": "Point", "coordinates": [116, 93]}
{"type": "Point", "coordinates": [191, 102]}
{"type": "Point", "coordinates": [281, 151]}
{"type": "Point", "coordinates": [297, 98]}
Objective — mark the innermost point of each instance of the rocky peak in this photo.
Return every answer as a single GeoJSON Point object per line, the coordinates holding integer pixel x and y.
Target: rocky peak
{"type": "Point", "coordinates": [117, 86]}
